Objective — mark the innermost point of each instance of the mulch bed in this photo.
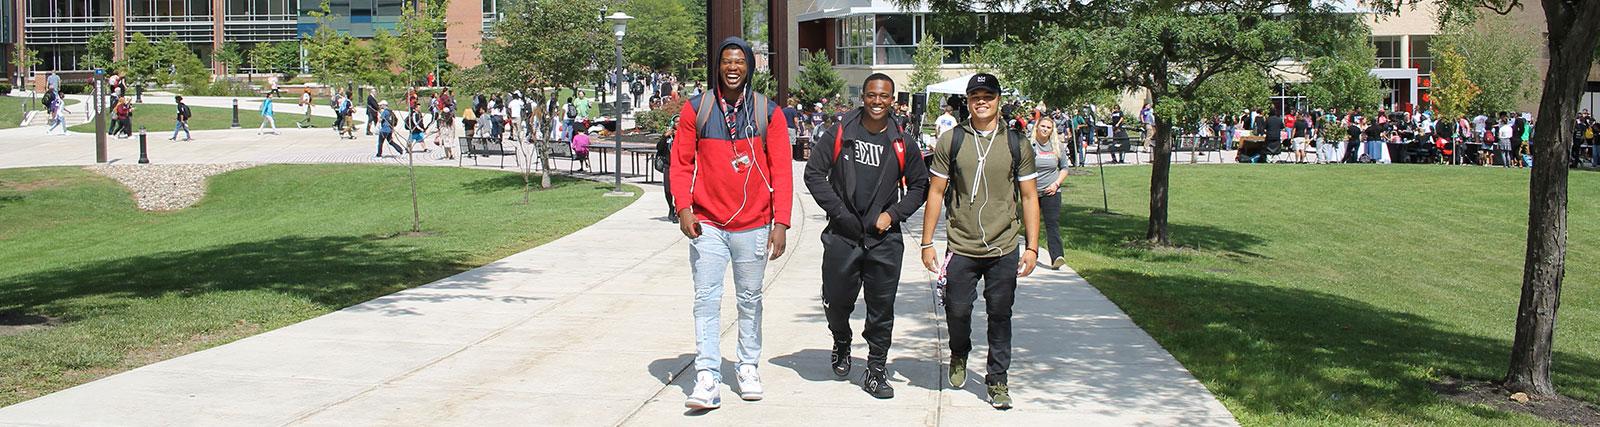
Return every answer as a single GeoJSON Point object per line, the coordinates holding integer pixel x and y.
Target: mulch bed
{"type": "Point", "coordinates": [1488, 393]}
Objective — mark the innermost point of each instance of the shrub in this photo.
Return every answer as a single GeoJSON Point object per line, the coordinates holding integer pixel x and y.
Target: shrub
{"type": "Point", "coordinates": [5, 88]}
{"type": "Point", "coordinates": [657, 120]}
{"type": "Point", "coordinates": [74, 88]}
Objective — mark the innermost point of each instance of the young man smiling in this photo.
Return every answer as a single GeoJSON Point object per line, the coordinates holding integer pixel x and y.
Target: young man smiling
{"type": "Point", "coordinates": [732, 190]}
{"type": "Point", "coordinates": [856, 171]}
{"type": "Point", "coordinates": [990, 178]}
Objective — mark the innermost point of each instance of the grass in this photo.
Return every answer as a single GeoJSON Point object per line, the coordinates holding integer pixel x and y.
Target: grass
{"type": "Point", "coordinates": [158, 118]}
{"type": "Point", "coordinates": [11, 109]}
{"type": "Point", "coordinates": [268, 246]}
{"type": "Point", "coordinates": [1335, 295]}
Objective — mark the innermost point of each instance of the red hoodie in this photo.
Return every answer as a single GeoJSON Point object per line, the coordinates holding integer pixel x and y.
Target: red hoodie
{"type": "Point", "coordinates": [723, 194]}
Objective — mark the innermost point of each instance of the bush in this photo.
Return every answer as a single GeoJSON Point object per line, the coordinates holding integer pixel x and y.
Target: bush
{"type": "Point", "coordinates": [74, 88]}
{"type": "Point", "coordinates": [5, 88]}
{"type": "Point", "coordinates": [218, 88]}
{"type": "Point", "coordinates": [657, 120]}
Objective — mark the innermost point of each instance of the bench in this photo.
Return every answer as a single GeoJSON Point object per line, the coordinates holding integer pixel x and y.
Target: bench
{"type": "Point", "coordinates": [563, 150]}
{"type": "Point", "coordinates": [484, 147]}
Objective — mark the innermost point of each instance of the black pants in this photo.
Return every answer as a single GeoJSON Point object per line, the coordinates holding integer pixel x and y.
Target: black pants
{"type": "Point", "coordinates": [666, 186]}
{"type": "Point", "coordinates": [1050, 213]}
{"type": "Point", "coordinates": [999, 275]}
{"type": "Point", "coordinates": [848, 269]}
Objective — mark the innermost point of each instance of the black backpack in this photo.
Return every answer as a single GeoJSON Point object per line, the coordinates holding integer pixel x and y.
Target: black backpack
{"type": "Point", "coordinates": [183, 111]}
{"type": "Point", "coordinates": [1013, 141]}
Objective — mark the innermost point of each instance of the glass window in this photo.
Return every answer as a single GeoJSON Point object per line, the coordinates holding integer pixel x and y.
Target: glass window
{"type": "Point", "coordinates": [895, 30]}
{"type": "Point", "coordinates": [1388, 51]}
{"type": "Point", "coordinates": [389, 8]}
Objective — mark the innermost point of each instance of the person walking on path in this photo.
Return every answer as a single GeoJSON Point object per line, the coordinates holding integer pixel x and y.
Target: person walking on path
{"type": "Point", "coordinates": [182, 123]}
{"type": "Point", "coordinates": [386, 121]}
{"type": "Point", "coordinates": [1051, 163]}
{"type": "Point", "coordinates": [372, 110]}
{"type": "Point", "coordinates": [733, 190]}
{"type": "Point", "coordinates": [305, 101]}
{"type": "Point", "coordinates": [856, 174]}
{"type": "Point", "coordinates": [417, 125]}
{"type": "Point", "coordinates": [446, 105]}
{"type": "Point", "coordinates": [266, 117]}
{"type": "Point", "coordinates": [989, 178]}
{"type": "Point", "coordinates": [122, 123]}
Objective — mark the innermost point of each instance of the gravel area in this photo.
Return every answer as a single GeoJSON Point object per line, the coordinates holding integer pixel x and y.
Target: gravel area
{"type": "Point", "coordinates": [165, 187]}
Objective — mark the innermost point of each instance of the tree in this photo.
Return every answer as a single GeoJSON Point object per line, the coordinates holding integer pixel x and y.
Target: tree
{"type": "Point", "coordinates": [1169, 49]}
{"type": "Point", "coordinates": [230, 56]}
{"type": "Point", "coordinates": [420, 53]}
{"type": "Point", "coordinates": [817, 80]}
{"type": "Point", "coordinates": [929, 57]}
{"type": "Point", "coordinates": [1453, 92]}
{"type": "Point", "coordinates": [331, 56]}
{"type": "Point", "coordinates": [1496, 60]}
{"type": "Point", "coordinates": [662, 36]}
{"type": "Point", "coordinates": [99, 51]}
{"type": "Point", "coordinates": [177, 63]}
{"type": "Point", "coordinates": [541, 44]}
{"type": "Point", "coordinates": [1342, 79]}
{"type": "Point", "coordinates": [1227, 92]}
{"type": "Point", "coordinates": [276, 57]}
{"type": "Point", "coordinates": [24, 59]}
{"type": "Point", "coordinates": [1571, 35]}
{"type": "Point", "coordinates": [141, 59]}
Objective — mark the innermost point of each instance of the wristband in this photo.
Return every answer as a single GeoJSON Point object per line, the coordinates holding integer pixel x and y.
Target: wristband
{"type": "Point", "coordinates": [1035, 251]}
{"type": "Point", "coordinates": [927, 245]}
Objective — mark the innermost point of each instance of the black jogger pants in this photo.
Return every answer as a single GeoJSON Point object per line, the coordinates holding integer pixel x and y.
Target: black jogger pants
{"type": "Point", "coordinates": [849, 270]}
{"type": "Point", "coordinates": [999, 276]}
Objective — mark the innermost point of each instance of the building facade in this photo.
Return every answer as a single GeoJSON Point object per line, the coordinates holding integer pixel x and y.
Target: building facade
{"type": "Point", "coordinates": [59, 29]}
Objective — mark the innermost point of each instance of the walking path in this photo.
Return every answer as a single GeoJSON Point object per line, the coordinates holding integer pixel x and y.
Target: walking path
{"type": "Point", "coordinates": [584, 331]}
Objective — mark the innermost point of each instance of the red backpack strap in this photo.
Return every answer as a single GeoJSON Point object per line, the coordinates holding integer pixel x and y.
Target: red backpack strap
{"type": "Point", "coordinates": [838, 141]}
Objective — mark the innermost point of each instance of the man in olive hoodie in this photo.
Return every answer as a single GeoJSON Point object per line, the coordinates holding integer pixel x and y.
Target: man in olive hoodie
{"type": "Point", "coordinates": [732, 189]}
{"type": "Point", "coordinates": [856, 172]}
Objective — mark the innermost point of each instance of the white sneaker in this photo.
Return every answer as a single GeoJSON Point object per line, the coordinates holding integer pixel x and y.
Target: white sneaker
{"type": "Point", "coordinates": [706, 394]}
{"type": "Point", "coordinates": [749, 383]}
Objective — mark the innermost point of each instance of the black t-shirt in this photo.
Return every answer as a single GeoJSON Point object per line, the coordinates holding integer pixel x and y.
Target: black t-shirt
{"type": "Point", "coordinates": [1375, 132]}
{"type": "Point", "coordinates": [1354, 132]}
{"type": "Point", "coordinates": [1116, 119]}
{"type": "Point", "coordinates": [870, 154]}
{"type": "Point", "coordinates": [1274, 128]}
{"type": "Point", "coordinates": [1302, 127]}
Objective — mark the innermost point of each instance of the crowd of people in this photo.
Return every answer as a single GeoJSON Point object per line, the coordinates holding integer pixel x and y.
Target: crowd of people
{"type": "Point", "coordinates": [1335, 136]}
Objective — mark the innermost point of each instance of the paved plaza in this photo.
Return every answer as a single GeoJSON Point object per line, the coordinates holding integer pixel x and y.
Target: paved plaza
{"type": "Point", "coordinates": [596, 329]}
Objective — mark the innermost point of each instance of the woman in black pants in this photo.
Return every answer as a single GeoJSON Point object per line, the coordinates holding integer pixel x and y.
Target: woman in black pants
{"type": "Point", "coordinates": [1051, 162]}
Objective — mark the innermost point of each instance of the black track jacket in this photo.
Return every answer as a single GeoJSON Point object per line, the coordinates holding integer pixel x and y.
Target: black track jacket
{"type": "Point", "coordinates": [834, 187]}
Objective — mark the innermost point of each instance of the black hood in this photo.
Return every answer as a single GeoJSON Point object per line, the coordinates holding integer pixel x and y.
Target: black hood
{"type": "Point", "coordinates": [749, 60]}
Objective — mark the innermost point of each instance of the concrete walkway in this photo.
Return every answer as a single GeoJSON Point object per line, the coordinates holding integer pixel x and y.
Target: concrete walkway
{"type": "Point", "coordinates": [595, 329]}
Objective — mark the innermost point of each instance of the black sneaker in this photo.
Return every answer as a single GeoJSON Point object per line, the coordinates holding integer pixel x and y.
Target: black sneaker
{"type": "Point", "coordinates": [876, 383]}
{"type": "Point", "coordinates": [841, 360]}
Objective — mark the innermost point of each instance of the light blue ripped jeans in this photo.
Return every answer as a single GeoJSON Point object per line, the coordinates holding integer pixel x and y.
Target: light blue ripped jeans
{"type": "Point", "coordinates": [709, 256]}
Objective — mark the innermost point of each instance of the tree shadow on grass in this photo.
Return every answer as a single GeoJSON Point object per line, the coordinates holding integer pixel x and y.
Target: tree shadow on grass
{"type": "Point", "coordinates": [334, 271]}
{"type": "Point", "coordinates": [1312, 355]}
{"type": "Point", "coordinates": [1111, 234]}
{"type": "Point", "coordinates": [513, 181]}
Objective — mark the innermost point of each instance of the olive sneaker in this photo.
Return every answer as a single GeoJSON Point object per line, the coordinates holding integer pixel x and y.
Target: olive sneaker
{"type": "Point", "coordinates": [958, 371]}
{"type": "Point", "coordinates": [999, 396]}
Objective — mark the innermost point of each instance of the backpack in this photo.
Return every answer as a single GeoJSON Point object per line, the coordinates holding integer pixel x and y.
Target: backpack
{"type": "Point", "coordinates": [899, 150]}
{"type": "Point", "coordinates": [183, 111]}
{"type": "Point", "coordinates": [955, 172]}
{"type": "Point", "coordinates": [761, 115]}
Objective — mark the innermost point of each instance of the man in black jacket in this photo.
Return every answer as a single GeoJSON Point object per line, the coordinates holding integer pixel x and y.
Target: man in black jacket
{"type": "Point", "coordinates": [857, 171]}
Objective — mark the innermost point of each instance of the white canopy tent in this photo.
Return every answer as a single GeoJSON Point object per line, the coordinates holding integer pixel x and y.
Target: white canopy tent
{"type": "Point", "coordinates": [956, 85]}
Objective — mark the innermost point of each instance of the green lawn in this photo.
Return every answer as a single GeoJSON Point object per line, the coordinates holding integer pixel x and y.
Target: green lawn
{"type": "Point", "coordinates": [268, 246]}
{"type": "Point", "coordinates": [1334, 295]}
{"type": "Point", "coordinates": [158, 118]}
{"type": "Point", "coordinates": [11, 109]}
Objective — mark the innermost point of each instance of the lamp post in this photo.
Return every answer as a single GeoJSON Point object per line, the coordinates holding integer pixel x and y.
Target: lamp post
{"type": "Point", "coordinates": [144, 151]}
{"type": "Point", "coordinates": [235, 124]}
{"type": "Point", "coordinates": [619, 27]}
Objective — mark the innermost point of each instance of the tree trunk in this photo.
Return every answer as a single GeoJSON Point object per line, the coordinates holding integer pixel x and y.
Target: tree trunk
{"type": "Point", "coordinates": [1160, 173]}
{"type": "Point", "coordinates": [1572, 38]}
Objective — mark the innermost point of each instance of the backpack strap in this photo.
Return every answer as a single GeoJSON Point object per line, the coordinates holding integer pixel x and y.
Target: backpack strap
{"type": "Point", "coordinates": [955, 171]}
{"type": "Point", "coordinates": [1012, 139]}
{"type": "Point", "coordinates": [762, 114]}
{"type": "Point", "coordinates": [838, 142]}
{"type": "Point", "coordinates": [702, 113]}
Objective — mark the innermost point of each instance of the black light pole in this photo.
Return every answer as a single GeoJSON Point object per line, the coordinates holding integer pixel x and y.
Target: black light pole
{"type": "Point", "coordinates": [236, 113]}
{"type": "Point", "coordinates": [619, 25]}
{"type": "Point", "coordinates": [99, 107]}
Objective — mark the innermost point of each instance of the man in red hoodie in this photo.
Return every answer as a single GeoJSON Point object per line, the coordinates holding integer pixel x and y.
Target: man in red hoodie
{"type": "Point", "coordinates": [732, 190]}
